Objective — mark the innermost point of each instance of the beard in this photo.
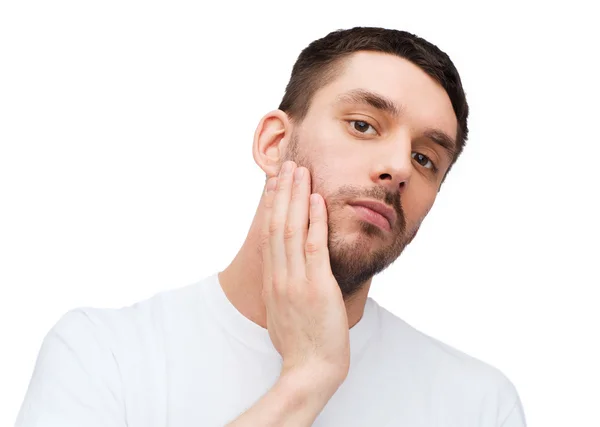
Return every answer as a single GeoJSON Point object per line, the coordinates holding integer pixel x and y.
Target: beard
{"type": "Point", "coordinates": [354, 262]}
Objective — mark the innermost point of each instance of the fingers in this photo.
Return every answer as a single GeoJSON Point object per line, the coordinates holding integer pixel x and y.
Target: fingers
{"type": "Point", "coordinates": [296, 228]}
{"type": "Point", "coordinates": [268, 198]}
{"type": "Point", "coordinates": [277, 225]}
{"type": "Point", "coordinates": [291, 248]}
{"type": "Point", "coordinates": [316, 250]}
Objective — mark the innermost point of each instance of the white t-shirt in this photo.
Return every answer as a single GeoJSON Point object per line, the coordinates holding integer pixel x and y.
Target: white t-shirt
{"type": "Point", "coordinates": [188, 358]}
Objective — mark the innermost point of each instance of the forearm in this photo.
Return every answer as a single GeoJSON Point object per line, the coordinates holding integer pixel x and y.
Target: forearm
{"type": "Point", "coordinates": [295, 400]}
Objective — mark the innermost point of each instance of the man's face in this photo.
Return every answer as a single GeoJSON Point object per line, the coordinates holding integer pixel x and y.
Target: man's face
{"type": "Point", "coordinates": [370, 135]}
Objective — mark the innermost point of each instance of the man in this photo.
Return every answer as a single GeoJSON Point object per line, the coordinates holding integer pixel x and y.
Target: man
{"type": "Point", "coordinates": [371, 122]}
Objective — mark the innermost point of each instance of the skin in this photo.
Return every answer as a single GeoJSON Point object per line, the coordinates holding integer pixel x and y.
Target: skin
{"type": "Point", "coordinates": [305, 274]}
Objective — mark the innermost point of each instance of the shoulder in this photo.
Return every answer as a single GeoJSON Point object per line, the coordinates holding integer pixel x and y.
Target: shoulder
{"type": "Point", "coordinates": [400, 335]}
{"type": "Point", "coordinates": [447, 370]}
{"type": "Point", "coordinates": [94, 360]}
{"type": "Point", "coordinates": [136, 324]}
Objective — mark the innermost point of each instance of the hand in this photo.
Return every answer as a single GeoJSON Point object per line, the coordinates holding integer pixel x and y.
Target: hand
{"type": "Point", "coordinates": [306, 315]}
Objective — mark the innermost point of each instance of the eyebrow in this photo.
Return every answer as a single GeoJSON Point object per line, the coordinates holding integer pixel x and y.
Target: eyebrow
{"type": "Point", "coordinates": [380, 102]}
{"type": "Point", "coordinates": [362, 96]}
{"type": "Point", "coordinates": [442, 139]}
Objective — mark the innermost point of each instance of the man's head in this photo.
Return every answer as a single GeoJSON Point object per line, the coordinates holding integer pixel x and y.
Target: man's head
{"type": "Point", "coordinates": [377, 115]}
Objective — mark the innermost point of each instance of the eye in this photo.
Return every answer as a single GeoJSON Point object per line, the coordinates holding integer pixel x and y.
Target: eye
{"type": "Point", "coordinates": [362, 127]}
{"type": "Point", "coordinates": [423, 160]}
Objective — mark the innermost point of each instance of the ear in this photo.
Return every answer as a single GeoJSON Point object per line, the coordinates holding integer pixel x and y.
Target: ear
{"type": "Point", "coordinates": [270, 138]}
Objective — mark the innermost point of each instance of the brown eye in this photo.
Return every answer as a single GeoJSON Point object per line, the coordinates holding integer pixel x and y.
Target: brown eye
{"type": "Point", "coordinates": [423, 160]}
{"type": "Point", "coordinates": [363, 127]}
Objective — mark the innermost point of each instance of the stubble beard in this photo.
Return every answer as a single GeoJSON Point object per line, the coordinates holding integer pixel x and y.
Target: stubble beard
{"type": "Point", "coordinates": [354, 263]}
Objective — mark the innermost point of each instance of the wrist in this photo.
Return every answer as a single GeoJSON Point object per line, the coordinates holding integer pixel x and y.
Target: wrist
{"type": "Point", "coordinates": [317, 372]}
{"type": "Point", "coordinates": [311, 382]}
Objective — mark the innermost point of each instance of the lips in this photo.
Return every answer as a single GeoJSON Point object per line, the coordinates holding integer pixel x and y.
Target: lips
{"type": "Point", "coordinates": [378, 207]}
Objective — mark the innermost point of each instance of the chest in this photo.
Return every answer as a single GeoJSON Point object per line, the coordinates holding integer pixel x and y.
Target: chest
{"type": "Point", "coordinates": [221, 387]}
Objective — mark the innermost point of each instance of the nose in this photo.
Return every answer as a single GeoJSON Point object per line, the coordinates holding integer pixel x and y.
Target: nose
{"type": "Point", "coordinates": [394, 164]}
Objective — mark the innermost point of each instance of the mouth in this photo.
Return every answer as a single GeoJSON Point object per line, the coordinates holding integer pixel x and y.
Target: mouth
{"type": "Point", "coordinates": [376, 213]}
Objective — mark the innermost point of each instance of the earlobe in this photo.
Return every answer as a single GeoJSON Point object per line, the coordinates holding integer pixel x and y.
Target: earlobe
{"type": "Point", "coordinates": [270, 137]}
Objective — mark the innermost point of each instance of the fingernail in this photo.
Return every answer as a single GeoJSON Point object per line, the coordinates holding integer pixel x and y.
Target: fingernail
{"type": "Point", "coordinates": [298, 174]}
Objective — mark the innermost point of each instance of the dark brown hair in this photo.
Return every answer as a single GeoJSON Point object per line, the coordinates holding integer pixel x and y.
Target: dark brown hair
{"type": "Point", "coordinates": [317, 65]}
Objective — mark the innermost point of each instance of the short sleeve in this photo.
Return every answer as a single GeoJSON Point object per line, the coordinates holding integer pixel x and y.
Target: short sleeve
{"type": "Point", "coordinates": [516, 416]}
{"type": "Point", "coordinates": [76, 379]}
{"type": "Point", "coordinates": [511, 412]}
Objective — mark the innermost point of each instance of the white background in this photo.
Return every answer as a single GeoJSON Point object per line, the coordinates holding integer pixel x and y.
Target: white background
{"type": "Point", "coordinates": [126, 169]}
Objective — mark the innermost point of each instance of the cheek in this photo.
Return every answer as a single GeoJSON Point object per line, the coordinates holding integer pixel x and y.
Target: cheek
{"type": "Point", "coordinates": [328, 165]}
{"type": "Point", "coordinates": [416, 206]}
{"type": "Point", "coordinates": [326, 139]}
{"type": "Point", "coordinates": [322, 180]}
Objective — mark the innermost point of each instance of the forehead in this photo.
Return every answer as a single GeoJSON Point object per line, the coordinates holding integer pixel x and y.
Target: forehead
{"type": "Point", "coordinates": [423, 101]}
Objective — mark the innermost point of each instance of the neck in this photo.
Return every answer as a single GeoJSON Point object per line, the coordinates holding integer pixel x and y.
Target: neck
{"type": "Point", "coordinates": [242, 281]}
